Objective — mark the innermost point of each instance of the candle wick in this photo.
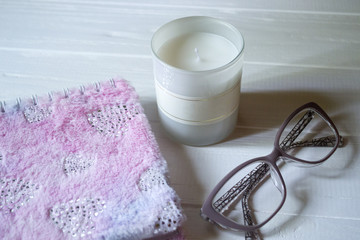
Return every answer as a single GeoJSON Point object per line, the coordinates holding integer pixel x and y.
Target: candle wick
{"type": "Point", "coordinates": [197, 54]}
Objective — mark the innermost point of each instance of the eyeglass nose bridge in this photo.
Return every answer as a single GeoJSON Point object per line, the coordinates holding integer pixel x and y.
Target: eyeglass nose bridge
{"type": "Point", "coordinates": [274, 156]}
{"type": "Point", "coordinates": [275, 173]}
{"type": "Point", "coordinates": [277, 179]}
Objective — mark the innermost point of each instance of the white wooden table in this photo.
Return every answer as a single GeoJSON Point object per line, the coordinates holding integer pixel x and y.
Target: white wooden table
{"type": "Point", "coordinates": [296, 51]}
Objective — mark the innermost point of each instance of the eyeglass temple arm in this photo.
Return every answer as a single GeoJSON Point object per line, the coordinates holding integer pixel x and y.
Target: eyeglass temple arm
{"type": "Point", "coordinates": [251, 179]}
{"type": "Point", "coordinates": [328, 141]}
{"type": "Point", "coordinates": [247, 183]}
{"type": "Point", "coordinates": [288, 142]}
{"type": "Point", "coordinates": [297, 129]}
{"type": "Point", "coordinates": [248, 218]}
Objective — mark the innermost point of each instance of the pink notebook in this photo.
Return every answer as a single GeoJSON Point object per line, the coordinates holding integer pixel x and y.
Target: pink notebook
{"type": "Point", "coordinates": [84, 164]}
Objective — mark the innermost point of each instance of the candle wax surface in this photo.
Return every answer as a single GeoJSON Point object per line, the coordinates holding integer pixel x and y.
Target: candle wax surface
{"type": "Point", "coordinates": [198, 51]}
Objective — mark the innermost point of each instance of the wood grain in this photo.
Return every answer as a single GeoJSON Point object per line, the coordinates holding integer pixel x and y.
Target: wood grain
{"type": "Point", "coordinates": [296, 51]}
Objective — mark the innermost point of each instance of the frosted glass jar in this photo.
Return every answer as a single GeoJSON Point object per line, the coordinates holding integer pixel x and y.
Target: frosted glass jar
{"type": "Point", "coordinates": [197, 69]}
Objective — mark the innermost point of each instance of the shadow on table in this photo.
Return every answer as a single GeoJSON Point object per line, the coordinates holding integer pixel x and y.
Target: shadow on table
{"type": "Point", "coordinates": [182, 176]}
{"type": "Point", "coordinates": [260, 111]}
{"type": "Point", "coordinates": [266, 110]}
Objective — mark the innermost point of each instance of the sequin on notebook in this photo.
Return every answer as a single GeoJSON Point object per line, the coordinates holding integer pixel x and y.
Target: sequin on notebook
{"type": "Point", "coordinates": [15, 193]}
{"type": "Point", "coordinates": [76, 164]}
{"type": "Point", "coordinates": [167, 221]}
{"type": "Point", "coordinates": [113, 120]}
{"type": "Point", "coordinates": [35, 113]}
{"type": "Point", "coordinates": [151, 178]}
{"type": "Point", "coordinates": [77, 218]}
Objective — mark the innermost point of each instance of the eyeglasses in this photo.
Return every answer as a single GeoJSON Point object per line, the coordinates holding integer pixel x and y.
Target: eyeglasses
{"type": "Point", "coordinates": [307, 137]}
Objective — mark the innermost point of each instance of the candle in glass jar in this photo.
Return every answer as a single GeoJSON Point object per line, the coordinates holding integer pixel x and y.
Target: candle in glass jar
{"type": "Point", "coordinates": [198, 51]}
{"type": "Point", "coordinates": [197, 70]}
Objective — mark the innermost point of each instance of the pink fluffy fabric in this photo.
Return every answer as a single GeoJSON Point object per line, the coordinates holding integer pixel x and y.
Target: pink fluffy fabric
{"type": "Point", "coordinates": [84, 165]}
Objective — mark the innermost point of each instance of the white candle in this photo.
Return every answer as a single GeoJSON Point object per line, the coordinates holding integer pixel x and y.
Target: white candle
{"type": "Point", "coordinates": [198, 51]}
{"type": "Point", "coordinates": [197, 68]}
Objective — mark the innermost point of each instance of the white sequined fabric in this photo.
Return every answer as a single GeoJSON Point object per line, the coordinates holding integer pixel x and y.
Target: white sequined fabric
{"type": "Point", "coordinates": [35, 113]}
{"type": "Point", "coordinates": [113, 120]}
{"type": "Point", "coordinates": [170, 216]}
{"type": "Point", "coordinates": [169, 219]}
{"type": "Point", "coordinates": [76, 164]}
{"type": "Point", "coordinates": [77, 218]}
{"type": "Point", "coordinates": [15, 193]}
{"type": "Point", "coordinates": [150, 178]}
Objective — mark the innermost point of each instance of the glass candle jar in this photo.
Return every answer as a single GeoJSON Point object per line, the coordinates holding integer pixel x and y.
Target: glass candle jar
{"type": "Point", "coordinates": [197, 69]}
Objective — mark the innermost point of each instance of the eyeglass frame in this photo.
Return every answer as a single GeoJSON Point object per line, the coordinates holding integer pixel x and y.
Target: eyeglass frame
{"type": "Point", "coordinates": [212, 215]}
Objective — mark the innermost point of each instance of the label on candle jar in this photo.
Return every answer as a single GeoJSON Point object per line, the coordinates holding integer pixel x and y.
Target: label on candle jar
{"type": "Point", "coordinates": [198, 110]}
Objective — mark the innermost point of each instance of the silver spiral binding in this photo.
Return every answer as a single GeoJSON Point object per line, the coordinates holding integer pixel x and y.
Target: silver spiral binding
{"type": "Point", "coordinates": [18, 103]}
{"type": "Point", "coordinates": [82, 89]}
{"type": "Point", "coordinates": [67, 93]}
{"type": "Point", "coordinates": [35, 100]}
{"type": "Point", "coordinates": [2, 106]}
{"type": "Point", "coordinates": [50, 94]}
{"type": "Point", "coordinates": [98, 86]}
{"type": "Point", "coordinates": [112, 82]}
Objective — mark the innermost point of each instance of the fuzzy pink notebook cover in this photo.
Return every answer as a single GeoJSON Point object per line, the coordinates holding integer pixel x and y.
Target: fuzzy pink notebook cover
{"type": "Point", "coordinates": [84, 164]}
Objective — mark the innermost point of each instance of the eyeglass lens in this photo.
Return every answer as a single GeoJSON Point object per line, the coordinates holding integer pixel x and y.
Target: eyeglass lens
{"type": "Point", "coordinates": [232, 200]}
{"type": "Point", "coordinates": [307, 137]}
